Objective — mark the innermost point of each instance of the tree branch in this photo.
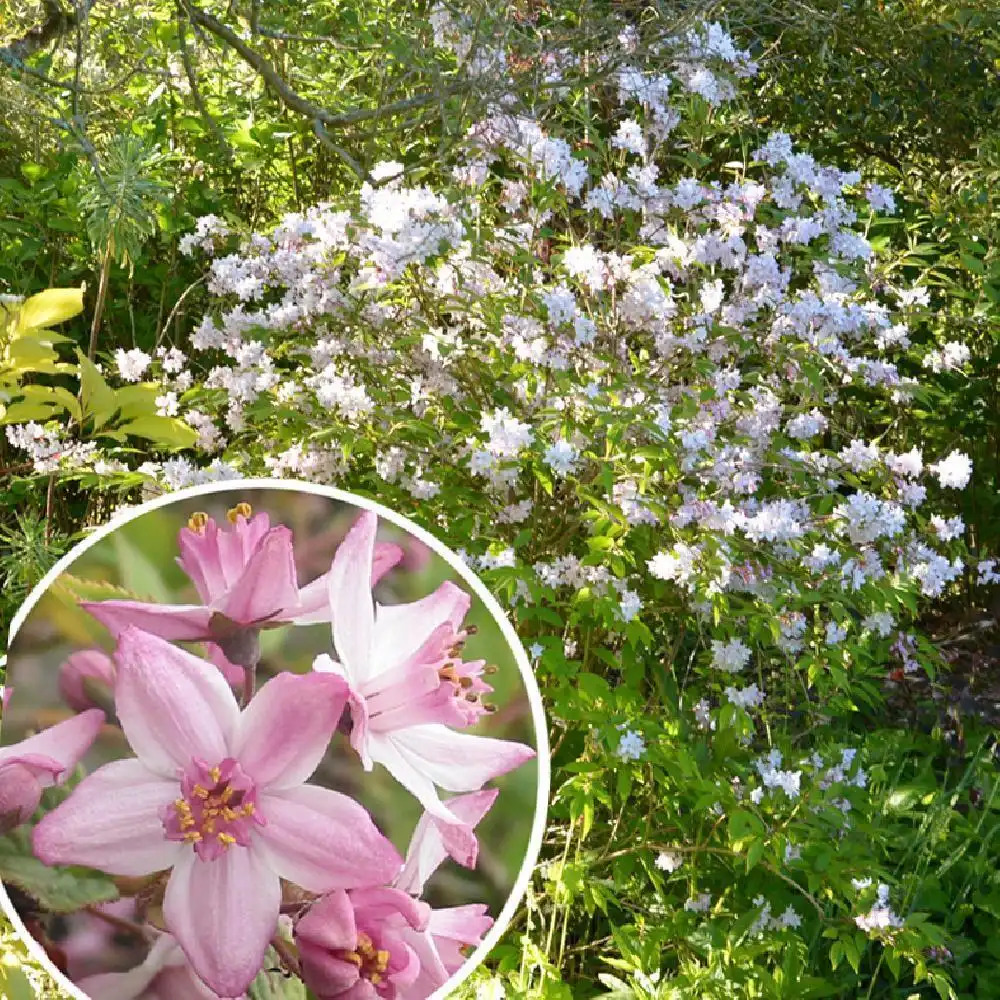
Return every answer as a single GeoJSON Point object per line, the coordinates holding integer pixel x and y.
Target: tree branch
{"type": "Point", "coordinates": [192, 78]}
{"type": "Point", "coordinates": [291, 98]}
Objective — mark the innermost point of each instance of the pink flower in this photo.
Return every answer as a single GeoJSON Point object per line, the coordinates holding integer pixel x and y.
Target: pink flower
{"type": "Point", "coordinates": [219, 797]}
{"type": "Point", "coordinates": [84, 674]}
{"type": "Point", "coordinates": [352, 945]}
{"type": "Point", "coordinates": [406, 685]}
{"type": "Point", "coordinates": [245, 576]}
{"type": "Point", "coordinates": [34, 764]}
{"type": "Point", "coordinates": [164, 975]}
{"type": "Point", "coordinates": [433, 840]}
{"type": "Point", "coordinates": [441, 947]}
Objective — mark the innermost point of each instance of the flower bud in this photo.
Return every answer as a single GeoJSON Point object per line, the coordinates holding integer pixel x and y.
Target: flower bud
{"type": "Point", "coordinates": [84, 677]}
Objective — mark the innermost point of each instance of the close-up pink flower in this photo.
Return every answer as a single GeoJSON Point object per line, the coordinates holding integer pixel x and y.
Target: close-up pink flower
{"type": "Point", "coordinates": [29, 767]}
{"type": "Point", "coordinates": [403, 693]}
{"type": "Point", "coordinates": [245, 575]}
{"type": "Point", "coordinates": [353, 945]}
{"type": "Point", "coordinates": [218, 797]}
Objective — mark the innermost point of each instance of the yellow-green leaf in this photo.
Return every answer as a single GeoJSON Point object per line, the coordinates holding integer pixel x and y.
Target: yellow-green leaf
{"type": "Point", "coordinates": [166, 431]}
{"type": "Point", "coordinates": [54, 305]}
{"type": "Point", "coordinates": [97, 396]}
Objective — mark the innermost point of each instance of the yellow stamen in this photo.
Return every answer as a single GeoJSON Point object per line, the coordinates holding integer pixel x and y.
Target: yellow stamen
{"type": "Point", "coordinates": [353, 957]}
{"type": "Point", "coordinates": [202, 793]}
{"type": "Point", "coordinates": [381, 961]}
{"type": "Point", "coordinates": [226, 838]}
{"type": "Point", "coordinates": [192, 837]}
{"type": "Point", "coordinates": [240, 510]}
{"type": "Point", "coordinates": [374, 979]}
{"type": "Point", "coordinates": [197, 522]}
{"type": "Point", "coordinates": [216, 774]}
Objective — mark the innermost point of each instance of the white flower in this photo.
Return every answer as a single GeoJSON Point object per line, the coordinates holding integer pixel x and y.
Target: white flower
{"type": "Point", "coordinates": [730, 656]}
{"type": "Point", "coordinates": [953, 471]}
{"type": "Point", "coordinates": [132, 364]}
{"type": "Point", "coordinates": [561, 457]}
{"type": "Point", "coordinates": [669, 862]}
{"type": "Point", "coordinates": [631, 746]}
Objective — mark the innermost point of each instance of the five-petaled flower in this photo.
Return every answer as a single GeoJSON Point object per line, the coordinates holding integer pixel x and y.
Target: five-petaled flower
{"type": "Point", "coordinates": [407, 685]}
{"type": "Point", "coordinates": [218, 797]}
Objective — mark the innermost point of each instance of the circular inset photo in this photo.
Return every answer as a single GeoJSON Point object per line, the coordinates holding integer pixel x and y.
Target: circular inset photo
{"type": "Point", "coordinates": [264, 739]}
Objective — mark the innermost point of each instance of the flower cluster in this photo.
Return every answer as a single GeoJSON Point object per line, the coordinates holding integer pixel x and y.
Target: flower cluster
{"type": "Point", "coordinates": [216, 813]}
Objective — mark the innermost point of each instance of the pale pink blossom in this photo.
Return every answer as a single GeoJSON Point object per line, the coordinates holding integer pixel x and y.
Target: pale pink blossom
{"type": "Point", "coordinates": [246, 577]}
{"type": "Point", "coordinates": [45, 759]}
{"type": "Point", "coordinates": [218, 796]}
{"type": "Point", "coordinates": [406, 686]}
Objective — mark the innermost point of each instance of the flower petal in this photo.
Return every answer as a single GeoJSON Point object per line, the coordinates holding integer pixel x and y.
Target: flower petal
{"type": "Point", "coordinates": [351, 598]}
{"type": "Point", "coordinates": [111, 822]}
{"type": "Point", "coordinates": [65, 742]}
{"type": "Point", "coordinates": [401, 629]}
{"type": "Point", "coordinates": [314, 598]}
{"type": "Point", "coordinates": [286, 729]}
{"type": "Point", "coordinates": [223, 914]}
{"type": "Point", "coordinates": [176, 622]}
{"type": "Point", "coordinates": [323, 840]}
{"type": "Point", "coordinates": [267, 585]}
{"type": "Point", "coordinates": [135, 982]}
{"type": "Point", "coordinates": [434, 840]}
{"type": "Point", "coordinates": [172, 705]}
{"type": "Point", "coordinates": [459, 762]}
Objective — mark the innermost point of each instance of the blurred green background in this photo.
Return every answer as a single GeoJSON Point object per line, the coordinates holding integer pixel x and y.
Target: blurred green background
{"type": "Point", "coordinates": [140, 558]}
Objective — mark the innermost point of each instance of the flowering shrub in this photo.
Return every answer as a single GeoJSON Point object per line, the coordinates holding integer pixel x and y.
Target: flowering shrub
{"type": "Point", "coordinates": [219, 845]}
{"type": "Point", "coordinates": [657, 383]}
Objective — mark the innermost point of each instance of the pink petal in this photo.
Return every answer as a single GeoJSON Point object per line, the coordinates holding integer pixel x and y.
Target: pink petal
{"type": "Point", "coordinates": [20, 793]}
{"type": "Point", "coordinates": [176, 622]}
{"type": "Point", "coordinates": [66, 742]}
{"type": "Point", "coordinates": [459, 762]}
{"type": "Point", "coordinates": [383, 903]}
{"type": "Point", "coordinates": [465, 924]}
{"type": "Point", "coordinates": [329, 923]}
{"type": "Point", "coordinates": [267, 584]}
{"type": "Point", "coordinates": [135, 982]}
{"type": "Point", "coordinates": [199, 558]}
{"type": "Point", "coordinates": [286, 729]}
{"type": "Point", "coordinates": [434, 840]}
{"type": "Point", "coordinates": [92, 665]}
{"type": "Point", "coordinates": [173, 706]}
{"type": "Point", "coordinates": [314, 598]}
{"type": "Point", "coordinates": [359, 711]}
{"type": "Point", "coordinates": [351, 598]}
{"type": "Point", "coordinates": [223, 914]}
{"type": "Point", "coordinates": [383, 750]}
{"type": "Point", "coordinates": [387, 555]}
{"type": "Point", "coordinates": [401, 629]}
{"type": "Point", "coordinates": [323, 840]}
{"type": "Point", "coordinates": [111, 822]}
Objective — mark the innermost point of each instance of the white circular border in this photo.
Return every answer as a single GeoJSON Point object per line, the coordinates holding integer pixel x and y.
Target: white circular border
{"type": "Point", "coordinates": [493, 606]}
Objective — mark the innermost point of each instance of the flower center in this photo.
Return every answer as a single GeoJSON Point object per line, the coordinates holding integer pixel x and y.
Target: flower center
{"type": "Point", "coordinates": [371, 962]}
{"type": "Point", "coordinates": [217, 808]}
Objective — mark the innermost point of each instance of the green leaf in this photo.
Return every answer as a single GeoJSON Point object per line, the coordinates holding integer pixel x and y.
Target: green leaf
{"type": "Point", "coordinates": [138, 573]}
{"type": "Point", "coordinates": [273, 984]}
{"type": "Point", "coordinates": [168, 432]}
{"type": "Point", "coordinates": [97, 397]}
{"type": "Point", "coordinates": [58, 890]}
{"type": "Point", "coordinates": [54, 305]}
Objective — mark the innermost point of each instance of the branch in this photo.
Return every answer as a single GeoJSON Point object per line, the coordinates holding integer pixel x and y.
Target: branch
{"type": "Point", "coordinates": [324, 138]}
{"type": "Point", "coordinates": [57, 22]}
{"type": "Point", "coordinates": [192, 78]}
{"type": "Point", "coordinates": [291, 98]}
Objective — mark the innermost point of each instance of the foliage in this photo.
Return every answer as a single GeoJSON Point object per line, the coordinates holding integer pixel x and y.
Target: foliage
{"type": "Point", "coordinates": [413, 343]}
